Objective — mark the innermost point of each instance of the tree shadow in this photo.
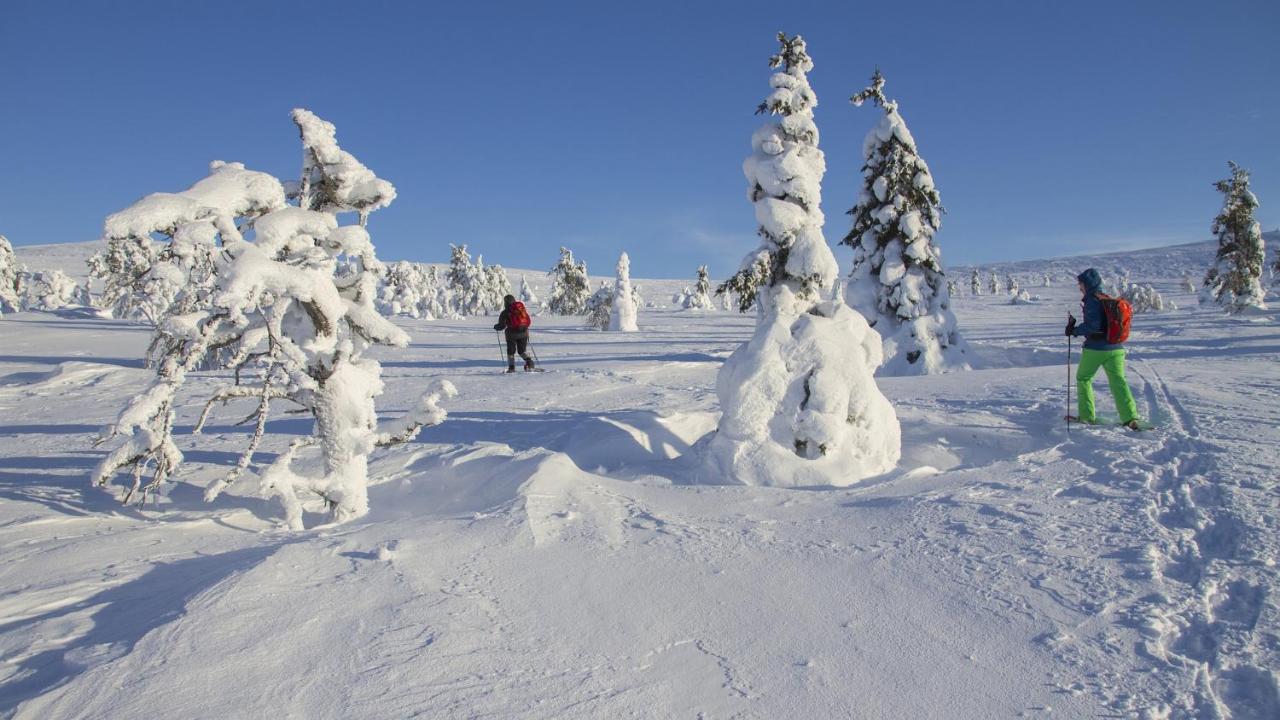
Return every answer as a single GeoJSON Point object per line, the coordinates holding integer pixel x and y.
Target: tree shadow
{"type": "Point", "coordinates": [124, 615]}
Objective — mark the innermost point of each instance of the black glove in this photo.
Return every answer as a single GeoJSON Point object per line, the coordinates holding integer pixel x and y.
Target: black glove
{"type": "Point", "coordinates": [498, 326]}
{"type": "Point", "coordinates": [1071, 325]}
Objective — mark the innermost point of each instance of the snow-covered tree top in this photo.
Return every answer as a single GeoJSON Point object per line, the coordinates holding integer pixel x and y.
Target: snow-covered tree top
{"type": "Point", "coordinates": [333, 179]}
{"type": "Point", "coordinates": [784, 182]}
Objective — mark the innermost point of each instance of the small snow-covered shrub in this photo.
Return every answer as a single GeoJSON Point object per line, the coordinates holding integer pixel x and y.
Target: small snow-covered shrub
{"type": "Point", "coordinates": [1022, 297]}
{"type": "Point", "coordinates": [1234, 281]}
{"type": "Point", "coordinates": [50, 290]}
{"type": "Point", "coordinates": [897, 281]}
{"type": "Point", "coordinates": [975, 284]}
{"type": "Point", "coordinates": [298, 298]}
{"type": "Point", "coordinates": [1145, 299]}
{"type": "Point", "coordinates": [799, 400]}
{"type": "Point", "coordinates": [570, 288]}
{"type": "Point", "coordinates": [622, 312]}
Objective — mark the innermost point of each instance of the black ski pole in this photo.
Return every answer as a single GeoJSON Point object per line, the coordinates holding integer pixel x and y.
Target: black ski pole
{"type": "Point", "coordinates": [502, 352]}
{"type": "Point", "coordinates": [1068, 384]}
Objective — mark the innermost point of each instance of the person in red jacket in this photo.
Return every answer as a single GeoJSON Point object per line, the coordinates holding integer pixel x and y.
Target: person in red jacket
{"type": "Point", "coordinates": [515, 320]}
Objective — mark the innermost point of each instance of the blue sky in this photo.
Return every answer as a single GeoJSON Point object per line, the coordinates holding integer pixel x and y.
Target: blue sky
{"type": "Point", "coordinates": [1051, 128]}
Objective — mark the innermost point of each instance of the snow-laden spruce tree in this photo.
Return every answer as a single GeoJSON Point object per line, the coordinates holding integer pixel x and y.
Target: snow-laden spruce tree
{"type": "Point", "coordinates": [1012, 285]}
{"type": "Point", "coordinates": [996, 287]}
{"type": "Point", "coordinates": [527, 295]}
{"type": "Point", "coordinates": [622, 313]}
{"type": "Point", "coordinates": [1188, 283]}
{"type": "Point", "coordinates": [1046, 281]}
{"type": "Point", "coordinates": [1234, 281]}
{"type": "Point", "coordinates": [975, 283]}
{"type": "Point", "coordinates": [800, 403]}
{"type": "Point", "coordinates": [295, 291]}
{"type": "Point", "coordinates": [570, 288]}
{"type": "Point", "coordinates": [897, 281]}
{"type": "Point", "coordinates": [9, 299]}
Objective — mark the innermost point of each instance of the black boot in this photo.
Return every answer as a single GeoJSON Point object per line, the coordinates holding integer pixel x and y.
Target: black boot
{"type": "Point", "coordinates": [528, 364]}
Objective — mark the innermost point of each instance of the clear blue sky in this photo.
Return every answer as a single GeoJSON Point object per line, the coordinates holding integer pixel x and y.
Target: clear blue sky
{"type": "Point", "coordinates": [517, 127]}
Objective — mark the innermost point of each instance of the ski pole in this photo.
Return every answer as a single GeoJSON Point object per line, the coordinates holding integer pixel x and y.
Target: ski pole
{"type": "Point", "coordinates": [1068, 385]}
{"type": "Point", "coordinates": [502, 352]}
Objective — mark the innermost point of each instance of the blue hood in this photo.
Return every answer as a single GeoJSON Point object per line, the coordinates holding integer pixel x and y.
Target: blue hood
{"type": "Point", "coordinates": [1091, 279]}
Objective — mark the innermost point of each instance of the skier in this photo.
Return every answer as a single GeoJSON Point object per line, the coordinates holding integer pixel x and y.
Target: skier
{"type": "Point", "coordinates": [1098, 353]}
{"type": "Point", "coordinates": [514, 319]}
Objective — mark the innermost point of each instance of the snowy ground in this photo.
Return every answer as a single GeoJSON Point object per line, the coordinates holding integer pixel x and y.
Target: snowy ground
{"type": "Point", "coordinates": [541, 554]}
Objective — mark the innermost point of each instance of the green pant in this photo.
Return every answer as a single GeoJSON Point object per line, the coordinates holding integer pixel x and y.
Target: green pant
{"type": "Point", "coordinates": [1112, 362]}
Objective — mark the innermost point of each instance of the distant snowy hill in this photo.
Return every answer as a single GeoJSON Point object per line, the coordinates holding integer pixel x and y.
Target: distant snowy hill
{"type": "Point", "coordinates": [1166, 263]}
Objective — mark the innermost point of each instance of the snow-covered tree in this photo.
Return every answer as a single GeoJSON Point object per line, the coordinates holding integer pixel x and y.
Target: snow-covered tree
{"type": "Point", "coordinates": [994, 284]}
{"type": "Point", "coordinates": [497, 286]}
{"type": "Point", "coordinates": [599, 308]}
{"type": "Point", "coordinates": [975, 283]}
{"type": "Point", "coordinates": [700, 297]}
{"type": "Point", "coordinates": [158, 254]}
{"type": "Point", "coordinates": [897, 281]}
{"type": "Point", "coordinates": [800, 403]}
{"type": "Point", "coordinates": [9, 299]}
{"type": "Point", "coordinates": [407, 289]}
{"type": "Point", "coordinates": [1047, 281]}
{"type": "Point", "coordinates": [622, 313]}
{"type": "Point", "coordinates": [50, 290]}
{"type": "Point", "coordinates": [953, 288]}
{"type": "Point", "coordinates": [297, 297]}
{"type": "Point", "coordinates": [1188, 283]}
{"type": "Point", "coordinates": [570, 288]}
{"type": "Point", "coordinates": [1234, 281]}
{"type": "Point", "coordinates": [466, 283]}
{"type": "Point", "coordinates": [1012, 284]}
{"type": "Point", "coordinates": [527, 295]}
{"type": "Point", "coordinates": [1145, 299]}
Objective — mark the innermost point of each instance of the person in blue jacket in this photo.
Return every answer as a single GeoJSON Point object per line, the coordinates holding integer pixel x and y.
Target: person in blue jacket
{"type": "Point", "coordinates": [1098, 353]}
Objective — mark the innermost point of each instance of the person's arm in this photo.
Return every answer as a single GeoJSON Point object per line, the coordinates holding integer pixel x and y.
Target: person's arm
{"type": "Point", "coordinates": [502, 321]}
{"type": "Point", "coordinates": [1092, 323]}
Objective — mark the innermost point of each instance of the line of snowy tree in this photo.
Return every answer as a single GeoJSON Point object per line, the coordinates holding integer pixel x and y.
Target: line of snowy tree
{"type": "Point", "coordinates": [23, 289]}
{"type": "Point", "coordinates": [279, 290]}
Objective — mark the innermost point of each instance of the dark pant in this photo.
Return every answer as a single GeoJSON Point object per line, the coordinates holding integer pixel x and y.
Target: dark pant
{"type": "Point", "coordinates": [518, 343]}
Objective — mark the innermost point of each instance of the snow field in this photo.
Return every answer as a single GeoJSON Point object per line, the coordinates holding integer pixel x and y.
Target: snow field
{"type": "Point", "coordinates": [540, 554]}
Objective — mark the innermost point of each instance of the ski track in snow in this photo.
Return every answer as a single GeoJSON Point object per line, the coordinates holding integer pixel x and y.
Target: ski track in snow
{"type": "Point", "coordinates": [539, 554]}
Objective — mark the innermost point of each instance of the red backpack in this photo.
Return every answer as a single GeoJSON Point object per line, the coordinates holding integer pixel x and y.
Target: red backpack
{"type": "Point", "coordinates": [518, 317]}
{"type": "Point", "coordinates": [1118, 313]}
